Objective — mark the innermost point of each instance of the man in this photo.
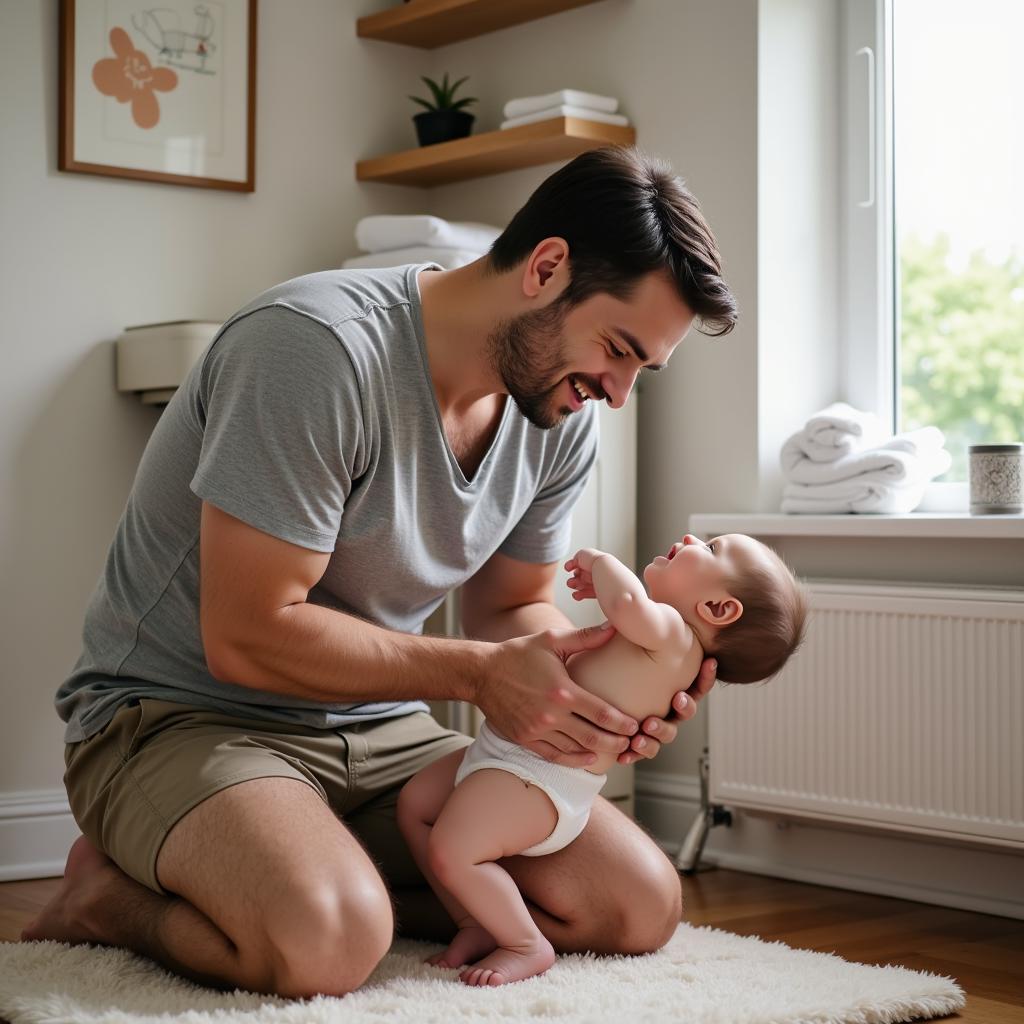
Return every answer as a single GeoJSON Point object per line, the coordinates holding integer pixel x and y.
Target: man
{"type": "Point", "coordinates": [248, 702]}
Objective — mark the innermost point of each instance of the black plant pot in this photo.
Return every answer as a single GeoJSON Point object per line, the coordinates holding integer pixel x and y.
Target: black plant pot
{"type": "Point", "coordinates": [442, 125]}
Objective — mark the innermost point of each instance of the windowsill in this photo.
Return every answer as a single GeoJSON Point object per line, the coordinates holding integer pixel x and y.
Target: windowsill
{"type": "Point", "coordinates": [940, 525]}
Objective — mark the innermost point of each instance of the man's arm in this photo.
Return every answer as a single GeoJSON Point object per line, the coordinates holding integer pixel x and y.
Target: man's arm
{"type": "Point", "coordinates": [259, 631]}
{"type": "Point", "coordinates": [508, 598]}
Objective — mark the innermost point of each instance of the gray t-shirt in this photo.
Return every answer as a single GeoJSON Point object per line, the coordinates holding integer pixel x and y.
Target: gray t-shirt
{"type": "Point", "coordinates": [312, 417]}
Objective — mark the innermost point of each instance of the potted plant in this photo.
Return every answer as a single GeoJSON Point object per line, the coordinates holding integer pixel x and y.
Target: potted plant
{"type": "Point", "coordinates": [444, 118]}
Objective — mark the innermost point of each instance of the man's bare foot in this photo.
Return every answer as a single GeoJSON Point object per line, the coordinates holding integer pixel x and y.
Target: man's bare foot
{"type": "Point", "coordinates": [505, 965]}
{"type": "Point", "coordinates": [89, 877]}
{"type": "Point", "coordinates": [468, 945]}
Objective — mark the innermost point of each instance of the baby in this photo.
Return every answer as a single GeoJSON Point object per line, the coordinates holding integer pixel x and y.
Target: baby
{"type": "Point", "coordinates": [731, 597]}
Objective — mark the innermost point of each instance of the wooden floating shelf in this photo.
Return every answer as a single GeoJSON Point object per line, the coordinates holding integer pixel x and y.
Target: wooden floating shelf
{"type": "Point", "coordinates": [432, 23]}
{"type": "Point", "coordinates": [529, 145]}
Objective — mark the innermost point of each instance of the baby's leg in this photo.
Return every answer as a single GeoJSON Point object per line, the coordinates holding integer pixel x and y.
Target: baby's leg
{"type": "Point", "coordinates": [419, 805]}
{"type": "Point", "coordinates": [492, 814]}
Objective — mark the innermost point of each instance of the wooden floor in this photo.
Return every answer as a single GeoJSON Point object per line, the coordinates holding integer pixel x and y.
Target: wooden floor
{"type": "Point", "coordinates": [984, 954]}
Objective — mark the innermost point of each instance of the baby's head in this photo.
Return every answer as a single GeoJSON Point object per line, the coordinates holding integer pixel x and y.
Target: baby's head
{"type": "Point", "coordinates": [738, 596]}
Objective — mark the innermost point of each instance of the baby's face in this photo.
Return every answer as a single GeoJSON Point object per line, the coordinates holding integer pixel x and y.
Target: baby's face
{"type": "Point", "coordinates": [695, 571]}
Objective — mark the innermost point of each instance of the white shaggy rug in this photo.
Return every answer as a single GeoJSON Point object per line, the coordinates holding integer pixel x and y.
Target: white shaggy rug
{"type": "Point", "coordinates": [703, 976]}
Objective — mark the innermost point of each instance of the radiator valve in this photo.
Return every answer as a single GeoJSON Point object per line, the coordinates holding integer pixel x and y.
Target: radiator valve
{"type": "Point", "coordinates": [688, 859]}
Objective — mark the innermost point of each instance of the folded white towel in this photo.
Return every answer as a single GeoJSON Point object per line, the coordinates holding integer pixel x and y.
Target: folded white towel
{"type": "Point", "coordinates": [842, 419]}
{"type": "Point", "coordinates": [837, 430]}
{"type": "Point", "coordinates": [573, 97]}
{"type": "Point", "coordinates": [565, 111]}
{"type": "Point", "coordinates": [860, 494]}
{"type": "Point", "coordinates": [844, 461]}
{"type": "Point", "coordinates": [395, 231]}
{"type": "Point", "coordinates": [883, 464]}
{"type": "Point", "coordinates": [792, 453]}
{"type": "Point", "coordinates": [449, 259]}
{"type": "Point", "coordinates": [918, 442]}
{"type": "Point", "coordinates": [833, 446]}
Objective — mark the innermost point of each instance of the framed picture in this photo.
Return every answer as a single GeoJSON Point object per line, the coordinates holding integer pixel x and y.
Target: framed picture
{"type": "Point", "coordinates": [160, 91]}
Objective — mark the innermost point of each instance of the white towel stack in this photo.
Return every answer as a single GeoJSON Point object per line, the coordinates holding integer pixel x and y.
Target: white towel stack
{"type": "Point", "coordinates": [564, 103]}
{"type": "Point", "coordinates": [391, 240]}
{"type": "Point", "coordinates": [844, 460]}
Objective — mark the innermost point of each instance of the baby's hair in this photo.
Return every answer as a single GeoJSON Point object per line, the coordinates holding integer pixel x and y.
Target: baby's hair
{"type": "Point", "coordinates": [772, 625]}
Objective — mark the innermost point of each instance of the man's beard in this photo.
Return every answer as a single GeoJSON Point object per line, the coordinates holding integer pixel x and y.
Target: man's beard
{"type": "Point", "coordinates": [528, 352]}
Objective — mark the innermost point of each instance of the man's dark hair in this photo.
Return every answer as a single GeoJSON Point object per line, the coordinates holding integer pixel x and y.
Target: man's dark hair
{"type": "Point", "coordinates": [624, 215]}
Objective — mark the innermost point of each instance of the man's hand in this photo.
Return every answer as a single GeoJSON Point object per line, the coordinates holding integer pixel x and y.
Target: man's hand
{"type": "Point", "coordinates": [530, 698]}
{"type": "Point", "coordinates": [657, 731]}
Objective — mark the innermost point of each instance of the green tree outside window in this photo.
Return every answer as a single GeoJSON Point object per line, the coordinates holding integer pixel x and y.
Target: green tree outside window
{"type": "Point", "coordinates": [961, 346]}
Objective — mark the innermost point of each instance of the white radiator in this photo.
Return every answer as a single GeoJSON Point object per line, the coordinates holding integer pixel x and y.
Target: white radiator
{"type": "Point", "coordinates": [904, 710]}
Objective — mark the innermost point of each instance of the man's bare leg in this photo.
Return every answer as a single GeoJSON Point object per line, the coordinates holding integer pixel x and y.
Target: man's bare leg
{"type": "Point", "coordinates": [99, 903]}
{"type": "Point", "coordinates": [273, 894]}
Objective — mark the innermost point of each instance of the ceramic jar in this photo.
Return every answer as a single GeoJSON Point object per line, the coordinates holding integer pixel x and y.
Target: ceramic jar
{"type": "Point", "coordinates": [997, 482]}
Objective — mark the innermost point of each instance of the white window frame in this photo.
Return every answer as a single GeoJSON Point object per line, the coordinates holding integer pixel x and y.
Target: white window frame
{"type": "Point", "coordinates": [867, 322]}
{"type": "Point", "coordinates": [869, 343]}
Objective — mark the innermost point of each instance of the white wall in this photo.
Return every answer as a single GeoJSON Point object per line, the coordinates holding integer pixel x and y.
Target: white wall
{"type": "Point", "coordinates": [84, 256]}
{"type": "Point", "coordinates": [798, 224]}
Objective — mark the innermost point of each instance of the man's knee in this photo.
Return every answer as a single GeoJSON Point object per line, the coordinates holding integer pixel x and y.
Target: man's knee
{"type": "Point", "coordinates": [329, 938]}
{"type": "Point", "coordinates": [651, 904]}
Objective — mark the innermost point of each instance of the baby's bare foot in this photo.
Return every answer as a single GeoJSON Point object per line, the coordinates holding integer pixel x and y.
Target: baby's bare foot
{"type": "Point", "coordinates": [469, 944]}
{"type": "Point", "coordinates": [505, 965]}
{"type": "Point", "coordinates": [90, 879]}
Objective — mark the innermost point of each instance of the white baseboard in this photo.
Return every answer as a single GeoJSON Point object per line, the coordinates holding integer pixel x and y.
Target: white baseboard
{"type": "Point", "coordinates": [680, 790]}
{"type": "Point", "coordinates": [986, 880]}
{"type": "Point", "coordinates": [36, 832]}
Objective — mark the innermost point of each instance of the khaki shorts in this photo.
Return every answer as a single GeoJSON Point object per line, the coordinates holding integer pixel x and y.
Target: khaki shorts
{"type": "Point", "coordinates": [130, 783]}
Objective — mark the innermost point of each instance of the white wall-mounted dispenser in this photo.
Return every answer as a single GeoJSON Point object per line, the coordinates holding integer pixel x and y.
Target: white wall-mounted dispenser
{"type": "Point", "coordinates": [153, 359]}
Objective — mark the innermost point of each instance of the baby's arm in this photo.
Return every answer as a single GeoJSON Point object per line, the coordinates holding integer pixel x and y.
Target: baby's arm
{"type": "Point", "coordinates": [624, 601]}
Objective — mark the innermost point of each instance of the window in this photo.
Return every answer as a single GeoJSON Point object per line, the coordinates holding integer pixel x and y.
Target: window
{"type": "Point", "coordinates": [934, 190]}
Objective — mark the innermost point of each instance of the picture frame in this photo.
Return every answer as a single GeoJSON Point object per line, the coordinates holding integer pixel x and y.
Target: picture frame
{"type": "Point", "coordinates": [160, 92]}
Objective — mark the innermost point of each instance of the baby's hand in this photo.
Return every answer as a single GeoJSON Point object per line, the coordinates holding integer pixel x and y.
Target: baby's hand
{"type": "Point", "coordinates": [580, 569]}
{"type": "Point", "coordinates": [583, 559]}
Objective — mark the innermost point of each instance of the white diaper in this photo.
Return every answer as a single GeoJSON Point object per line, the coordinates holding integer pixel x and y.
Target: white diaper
{"type": "Point", "coordinates": [572, 790]}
